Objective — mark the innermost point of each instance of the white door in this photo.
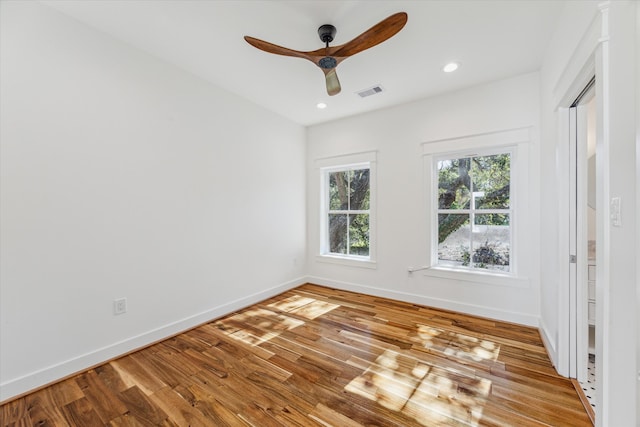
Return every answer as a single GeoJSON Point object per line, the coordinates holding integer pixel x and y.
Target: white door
{"type": "Point", "coordinates": [579, 129]}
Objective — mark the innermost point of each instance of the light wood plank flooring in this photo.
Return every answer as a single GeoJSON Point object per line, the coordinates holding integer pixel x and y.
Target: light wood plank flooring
{"type": "Point", "coordinates": [315, 356]}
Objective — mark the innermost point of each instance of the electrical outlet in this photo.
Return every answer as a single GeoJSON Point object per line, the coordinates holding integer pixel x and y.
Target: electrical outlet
{"type": "Point", "coordinates": [120, 306]}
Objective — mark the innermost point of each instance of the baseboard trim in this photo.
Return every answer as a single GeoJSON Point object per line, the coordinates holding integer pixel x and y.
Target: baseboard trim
{"type": "Point", "coordinates": [549, 344]}
{"type": "Point", "coordinates": [17, 387]}
{"type": "Point", "coordinates": [584, 400]}
{"type": "Point", "coordinates": [476, 310]}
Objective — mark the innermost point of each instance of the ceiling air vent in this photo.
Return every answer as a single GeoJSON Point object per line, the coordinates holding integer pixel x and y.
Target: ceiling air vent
{"type": "Point", "coordinates": [371, 91]}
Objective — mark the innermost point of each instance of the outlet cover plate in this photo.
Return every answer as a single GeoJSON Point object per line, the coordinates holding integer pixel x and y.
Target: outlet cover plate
{"type": "Point", "coordinates": [120, 306]}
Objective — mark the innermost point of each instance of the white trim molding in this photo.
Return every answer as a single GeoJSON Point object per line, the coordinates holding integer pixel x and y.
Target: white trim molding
{"type": "Point", "coordinates": [323, 166]}
{"type": "Point", "coordinates": [481, 140]}
{"type": "Point", "coordinates": [518, 141]}
{"type": "Point", "coordinates": [445, 304]}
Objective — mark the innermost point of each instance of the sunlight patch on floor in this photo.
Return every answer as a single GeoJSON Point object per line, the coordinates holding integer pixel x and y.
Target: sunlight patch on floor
{"type": "Point", "coordinates": [390, 380]}
{"type": "Point", "coordinates": [254, 327]}
{"type": "Point", "coordinates": [456, 344]}
{"type": "Point", "coordinates": [315, 309]}
{"type": "Point", "coordinates": [431, 395]}
{"type": "Point", "coordinates": [291, 303]}
{"type": "Point", "coordinates": [260, 325]}
{"type": "Point", "coordinates": [304, 307]}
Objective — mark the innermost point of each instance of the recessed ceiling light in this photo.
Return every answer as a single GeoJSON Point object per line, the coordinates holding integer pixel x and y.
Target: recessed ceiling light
{"type": "Point", "coordinates": [450, 67]}
{"type": "Point", "coordinates": [321, 105]}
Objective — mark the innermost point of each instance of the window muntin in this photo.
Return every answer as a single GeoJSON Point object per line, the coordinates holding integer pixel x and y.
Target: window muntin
{"type": "Point", "coordinates": [347, 215]}
{"type": "Point", "coordinates": [474, 211]}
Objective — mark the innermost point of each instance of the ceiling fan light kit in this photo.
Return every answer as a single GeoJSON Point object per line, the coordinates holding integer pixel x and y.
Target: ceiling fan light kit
{"type": "Point", "coordinates": [328, 58]}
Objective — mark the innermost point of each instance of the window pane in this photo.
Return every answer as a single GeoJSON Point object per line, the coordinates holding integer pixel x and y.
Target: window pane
{"type": "Point", "coordinates": [338, 190]}
{"type": "Point", "coordinates": [491, 177]}
{"type": "Point", "coordinates": [360, 189]}
{"type": "Point", "coordinates": [491, 242]}
{"type": "Point", "coordinates": [453, 240]}
{"type": "Point", "coordinates": [359, 234]}
{"type": "Point", "coordinates": [338, 233]}
{"type": "Point", "coordinates": [454, 184]}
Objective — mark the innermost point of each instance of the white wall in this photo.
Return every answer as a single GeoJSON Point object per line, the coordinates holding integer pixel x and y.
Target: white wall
{"type": "Point", "coordinates": [619, 388]}
{"type": "Point", "coordinates": [576, 18]}
{"type": "Point", "coordinates": [575, 52]}
{"type": "Point", "coordinates": [123, 176]}
{"type": "Point", "coordinates": [402, 233]}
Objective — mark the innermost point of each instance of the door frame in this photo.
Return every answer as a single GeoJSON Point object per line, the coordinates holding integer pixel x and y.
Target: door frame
{"type": "Point", "coordinates": [591, 58]}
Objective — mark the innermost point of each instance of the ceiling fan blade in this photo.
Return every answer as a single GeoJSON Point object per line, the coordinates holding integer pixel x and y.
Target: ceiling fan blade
{"type": "Point", "coordinates": [333, 84]}
{"type": "Point", "coordinates": [375, 35]}
{"type": "Point", "coordinates": [274, 48]}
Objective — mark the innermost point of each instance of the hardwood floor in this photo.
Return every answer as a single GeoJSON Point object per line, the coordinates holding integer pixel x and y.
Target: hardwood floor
{"type": "Point", "coordinates": [315, 356]}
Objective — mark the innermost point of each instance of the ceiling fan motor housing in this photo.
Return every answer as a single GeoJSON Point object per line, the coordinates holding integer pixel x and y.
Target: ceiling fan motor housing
{"type": "Point", "coordinates": [327, 63]}
{"type": "Point", "coordinates": [327, 33]}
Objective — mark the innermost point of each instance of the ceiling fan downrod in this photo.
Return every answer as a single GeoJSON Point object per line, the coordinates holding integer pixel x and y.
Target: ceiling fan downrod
{"type": "Point", "coordinates": [327, 33]}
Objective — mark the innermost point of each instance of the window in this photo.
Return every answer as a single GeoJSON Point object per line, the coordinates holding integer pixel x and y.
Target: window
{"type": "Point", "coordinates": [474, 212]}
{"type": "Point", "coordinates": [478, 199]}
{"type": "Point", "coordinates": [347, 216]}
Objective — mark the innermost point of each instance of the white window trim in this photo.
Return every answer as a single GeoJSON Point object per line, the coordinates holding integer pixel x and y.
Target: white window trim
{"type": "Point", "coordinates": [519, 140]}
{"type": "Point", "coordinates": [330, 164]}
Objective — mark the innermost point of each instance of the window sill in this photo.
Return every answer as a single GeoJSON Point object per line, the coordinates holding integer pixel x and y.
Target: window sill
{"type": "Point", "coordinates": [477, 277]}
{"type": "Point", "coordinates": [351, 262]}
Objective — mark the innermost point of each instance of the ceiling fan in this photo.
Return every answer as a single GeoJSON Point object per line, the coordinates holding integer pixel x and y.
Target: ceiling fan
{"type": "Point", "coordinates": [328, 58]}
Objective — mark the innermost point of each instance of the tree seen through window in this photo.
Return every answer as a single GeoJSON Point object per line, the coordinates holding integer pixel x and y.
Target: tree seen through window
{"type": "Point", "coordinates": [474, 211]}
{"type": "Point", "coordinates": [348, 215]}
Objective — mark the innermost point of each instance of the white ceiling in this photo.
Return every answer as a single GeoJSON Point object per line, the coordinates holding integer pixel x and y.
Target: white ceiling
{"type": "Point", "coordinates": [491, 39]}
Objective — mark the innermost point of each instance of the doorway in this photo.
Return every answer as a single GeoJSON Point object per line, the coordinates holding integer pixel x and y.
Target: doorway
{"type": "Point", "coordinates": [583, 242]}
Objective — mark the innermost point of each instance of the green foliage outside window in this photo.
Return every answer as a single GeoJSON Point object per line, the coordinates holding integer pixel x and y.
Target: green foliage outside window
{"type": "Point", "coordinates": [349, 199]}
{"type": "Point", "coordinates": [474, 211]}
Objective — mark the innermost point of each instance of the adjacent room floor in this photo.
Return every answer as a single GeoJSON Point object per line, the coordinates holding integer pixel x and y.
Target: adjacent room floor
{"type": "Point", "coordinates": [589, 387]}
